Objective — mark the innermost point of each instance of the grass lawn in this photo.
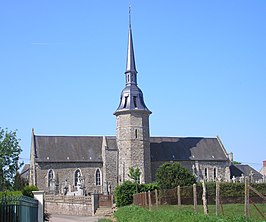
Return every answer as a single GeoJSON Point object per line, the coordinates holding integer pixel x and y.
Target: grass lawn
{"type": "Point", "coordinates": [232, 212]}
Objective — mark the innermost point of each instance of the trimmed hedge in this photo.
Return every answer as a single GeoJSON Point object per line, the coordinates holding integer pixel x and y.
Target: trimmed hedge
{"type": "Point", "coordinates": [10, 193]}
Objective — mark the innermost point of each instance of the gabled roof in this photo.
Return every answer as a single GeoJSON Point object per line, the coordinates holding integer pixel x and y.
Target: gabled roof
{"type": "Point", "coordinates": [187, 148]}
{"type": "Point", "coordinates": [89, 148]}
{"type": "Point", "coordinates": [68, 148]}
{"type": "Point", "coordinates": [111, 142]}
{"type": "Point", "coordinates": [25, 171]}
{"type": "Point", "coordinates": [238, 169]}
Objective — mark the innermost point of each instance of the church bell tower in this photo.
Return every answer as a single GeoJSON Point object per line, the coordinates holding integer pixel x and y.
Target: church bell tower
{"type": "Point", "coordinates": [132, 123]}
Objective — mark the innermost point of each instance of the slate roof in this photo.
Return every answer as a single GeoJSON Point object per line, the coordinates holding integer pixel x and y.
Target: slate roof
{"type": "Point", "coordinates": [68, 148]}
{"type": "Point", "coordinates": [238, 169]}
{"type": "Point", "coordinates": [111, 142]}
{"type": "Point", "coordinates": [89, 148]}
{"type": "Point", "coordinates": [25, 171]}
{"type": "Point", "coordinates": [186, 148]}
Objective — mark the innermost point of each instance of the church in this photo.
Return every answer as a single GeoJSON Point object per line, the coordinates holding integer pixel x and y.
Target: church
{"type": "Point", "coordinates": [78, 165]}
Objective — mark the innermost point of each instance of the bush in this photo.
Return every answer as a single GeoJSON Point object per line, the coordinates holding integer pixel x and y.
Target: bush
{"type": "Point", "coordinates": [27, 190]}
{"type": "Point", "coordinates": [10, 193]}
{"type": "Point", "coordinates": [148, 186]}
{"type": "Point", "coordinates": [170, 175]}
{"type": "Point", "coordinates": [124, 192]}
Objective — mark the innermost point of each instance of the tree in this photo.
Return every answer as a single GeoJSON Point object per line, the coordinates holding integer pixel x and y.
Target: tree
{"type": "Point", "coordinates": [170, 175]}
{"type": "Point", "coordinates": [9, 157]}
{"type": "Point", "coordinates": [236, 162]}
{"type": "Point", "coordinates": [134, 174]}
{"type": "Point", "coordinates": [19, 182]}
{"type": "Point", "coordinates": [27, 190]}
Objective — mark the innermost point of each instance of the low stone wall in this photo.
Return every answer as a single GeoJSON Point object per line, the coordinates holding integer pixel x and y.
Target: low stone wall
{"type": "Point", "coordinates": [75, 205]}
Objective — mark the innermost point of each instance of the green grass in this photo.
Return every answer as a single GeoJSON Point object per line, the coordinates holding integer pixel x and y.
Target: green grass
{"type": "Point", "coordinates": [233, 213]}
{"type": "Point", "coordinates": [231, 210]}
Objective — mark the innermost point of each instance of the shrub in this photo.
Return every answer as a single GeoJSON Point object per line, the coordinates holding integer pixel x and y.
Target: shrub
{"type": "Point", "coordinates": [148, 186]}
{"type": "Point", "coordinates": [170, 175]}
{"type": "Point", "coordinates": [10, 193]}
{"type": "Point", "coordinates": [27, 190]}
{"type": "Point", "coordinates": [124, 192]}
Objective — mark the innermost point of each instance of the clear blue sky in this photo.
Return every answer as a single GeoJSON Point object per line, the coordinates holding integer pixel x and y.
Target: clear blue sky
{"type": "Point", "coordinates": [201, 64]}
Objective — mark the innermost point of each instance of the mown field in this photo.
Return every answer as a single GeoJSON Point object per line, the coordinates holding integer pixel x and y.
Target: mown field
{"type": "Point", "coordinates": [232, 213]}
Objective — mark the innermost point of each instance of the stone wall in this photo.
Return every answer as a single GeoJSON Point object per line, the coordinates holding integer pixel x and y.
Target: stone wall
{"type": "Point", "coordinates": [65, 171]}
{"type": "Point", "coordinates": [133, 142]}
{"type": "Point", "coordinates": [110, 169]}
{"type": "Point", "coordinates": [68, 205]}
{"type": "Point", "coordinates": [76, 209]}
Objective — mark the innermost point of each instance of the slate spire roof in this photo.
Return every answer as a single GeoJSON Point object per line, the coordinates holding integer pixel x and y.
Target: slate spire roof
{"type": "Point", "coordinates": [131, 96]}
{"type": "Point", "coordinates": [131, 65]}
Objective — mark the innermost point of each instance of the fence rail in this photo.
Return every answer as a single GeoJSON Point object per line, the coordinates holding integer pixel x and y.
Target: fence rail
{"type": "Point", "coordinates": [18, 209]}
{"type": "Point", "coordinates": [194, 195]}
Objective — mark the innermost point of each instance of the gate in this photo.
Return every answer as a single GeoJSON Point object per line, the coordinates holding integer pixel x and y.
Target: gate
{"type": "Point", "coordinates": [105, 200]}
{"type": "Point", "coordinates": [18, 209]}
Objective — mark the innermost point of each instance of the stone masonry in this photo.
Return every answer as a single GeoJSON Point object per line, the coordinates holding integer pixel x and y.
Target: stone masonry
{"type": "Point", "coordinates": [133, 144]}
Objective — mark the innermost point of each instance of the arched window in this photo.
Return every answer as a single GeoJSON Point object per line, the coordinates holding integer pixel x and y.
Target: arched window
{"type": "Point", "coordinates": [98, 177]}
{"type": "Point", "coordinates": [50, 177]}
{"type": "Point", "coordinates": [125, 104]}
{"type": "Point", "coordinates": [214, 173]}
{"type": "Point", "coordinates": [206, 173]}
{"type": "Point", "coordinates": [77, 176]}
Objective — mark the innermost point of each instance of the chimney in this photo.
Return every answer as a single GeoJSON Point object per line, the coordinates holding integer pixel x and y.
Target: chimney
{"type": "Point", "coordinates": [264, 163]}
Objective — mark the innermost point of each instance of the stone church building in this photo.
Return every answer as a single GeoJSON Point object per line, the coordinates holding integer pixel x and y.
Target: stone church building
{"type": "Point", "coordinates": [87, 164]}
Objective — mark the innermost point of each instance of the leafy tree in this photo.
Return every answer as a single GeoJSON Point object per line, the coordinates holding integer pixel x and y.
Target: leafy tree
{"type": "Point", "coordinates": [19, 182]}
{"type": "Point", "coordinates": [236, 162]}
{"type": "Point", "coordinates": [134, 174]}
{"type": "Point", "coordinates": [9, 158]}
{"type": "Point", "coordinates": [170, 175]}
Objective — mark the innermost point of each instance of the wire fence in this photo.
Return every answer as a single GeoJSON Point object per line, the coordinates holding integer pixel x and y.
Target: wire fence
{"type": "Point", "coordinates": [218, 197]}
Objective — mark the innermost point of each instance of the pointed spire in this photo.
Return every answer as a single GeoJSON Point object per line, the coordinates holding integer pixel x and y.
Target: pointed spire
{"type": "Point", "coordinates": [131, 97]}
{"type": "Point", "coordinates": [131, 67]}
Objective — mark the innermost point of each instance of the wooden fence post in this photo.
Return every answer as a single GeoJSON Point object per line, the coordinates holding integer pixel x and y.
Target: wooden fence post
{"type": "Point", "coordinates": [149, 198]}
{"type": "Point", "coordinates": [195, 197]}
{"type": "Point", "coordinates": [204, 198]}
{"type": "Point", "coordinates": [217, 198]}
{"type": "Point", "coordinates": [156, 197]}
{"type": "Point", "coordinates": [146, 199]}
{"type": "Point", "coordinates": [178, 196]}
{"type": "Point", "coordinates": [246, 197]}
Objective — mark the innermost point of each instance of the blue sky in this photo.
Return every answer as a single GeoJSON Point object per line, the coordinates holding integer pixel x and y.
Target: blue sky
{"type": "Point", "coordinates": [201, 68]}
